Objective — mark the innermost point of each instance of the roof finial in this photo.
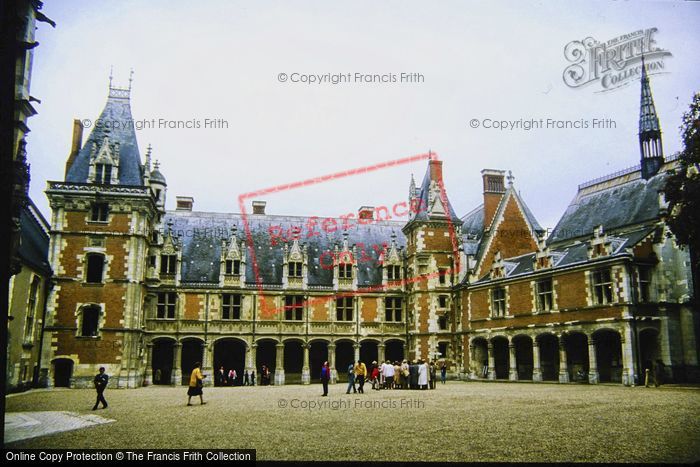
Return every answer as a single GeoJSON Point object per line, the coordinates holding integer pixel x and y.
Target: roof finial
{"type": "Point", "coordinates": [131, 78]}
{"type": "Point", "coordinates": [156, 166]}
{"type": "Point", "coordinates": [111, 74]}
{"type": "Point", "coordinates": [511, 178]}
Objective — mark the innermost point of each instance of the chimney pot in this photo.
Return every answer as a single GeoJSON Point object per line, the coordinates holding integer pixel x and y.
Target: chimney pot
{"type": "Point", "coordinates": [366, 212]}
{"type": "Point", "coordinates": [184, 203]}
{"type": "Point", "coordinates": [259, 207]}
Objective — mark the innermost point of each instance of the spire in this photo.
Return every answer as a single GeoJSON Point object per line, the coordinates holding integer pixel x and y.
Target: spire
{"type": "Point", "coordinates": [650, 145]}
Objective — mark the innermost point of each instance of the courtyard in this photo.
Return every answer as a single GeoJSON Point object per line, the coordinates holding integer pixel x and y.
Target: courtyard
{"type": "Point", "coordinates": [458, 421]}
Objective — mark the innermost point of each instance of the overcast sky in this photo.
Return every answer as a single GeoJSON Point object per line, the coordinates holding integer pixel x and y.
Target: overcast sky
{"type": "Point", "coordinates": [223, 59]}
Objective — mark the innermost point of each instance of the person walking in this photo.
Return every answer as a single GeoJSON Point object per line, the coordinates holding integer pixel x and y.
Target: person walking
{"type": "Point", "coordinates": [388, 375]}
{"type": "Point", "coordinates": [360, 375]}
{"type": "Point", "coordinates": [220, 378]}
{"type": "Point", "coordinates": [232, 377]}
{"type": "Point", "coordinates": [422, 375]}
{"type": "Point", "coordinates": [246, 378]}
{"type": "Point", "coordinates": [432, 375]}
{"type": "Point", "coordinates": [101, 380]}
{"type": "Point", "coordinates": [658, 373]}
{"type": "Point", "coordinates": [351, 379]}
{"type": "Point", "coordinates": [325, 377]}
{"type": "Point", "coordinates": [374, 376]}
{"type": "Point", "coordinates": [252, 377]}
{"type": "Point", "coordinates": [405, 374]}
{"type": "Point", "coordinates": [196, 384]}
{"type": "Point", "coordinates": [443, 372]}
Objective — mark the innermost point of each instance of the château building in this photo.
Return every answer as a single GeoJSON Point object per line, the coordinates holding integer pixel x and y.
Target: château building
{"type": "Point", "coordinates": [147, 292]}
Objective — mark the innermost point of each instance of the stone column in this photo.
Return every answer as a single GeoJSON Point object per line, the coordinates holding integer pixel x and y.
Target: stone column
{"type": "Point", "coordinates": [356, 346]}
{"type": "Point", "coordinates": [627, 355]}
{"type": "Point", "coordinates": [331, 363]}
{"type": "Point", "coordinates": [381, 352]}
{"type": "Point", "coordinates": [593, 377]}
{"type": "Point", "coordinates": [305, 370]}
{"type": "Point", "coordinates": [250, 351]}
{"type": "Point", "coordinates": [513, 371]}
{"type": "Point", "coordinates": [563, 367]}
{"type": "Point", "coordinates": [279, 366]}
{"type": "Point", "coordinates": [148, 377]}
{"type": "Point", "coordinates": [492, 362]}
{"type": "Point", "coordinates": [536, 369]}
{"type": "Point", "coordinates": [472, 362]}
{"type": "Point", "coordinates": [176, 376]}
{"type": "Point", "coordinates": [208, 363]}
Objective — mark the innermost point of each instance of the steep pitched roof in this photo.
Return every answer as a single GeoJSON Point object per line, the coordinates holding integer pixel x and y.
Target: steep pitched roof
{"type": "Point", "coordinates": [612, 205]}
{"type": "Point", "coordinates": [116, 122]}
{"type": "Point", "coordinates": [201, 235]}
{"type": "Point", "coordinates": [34, 239]}
{"type": "Point", "coordinates": [424, 195]}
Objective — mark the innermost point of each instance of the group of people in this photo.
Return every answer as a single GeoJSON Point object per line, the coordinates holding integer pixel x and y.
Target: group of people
{"type": "Point", "coordinates": [418, 374]}
{"type": "Point", "coordinates": [230, 378]}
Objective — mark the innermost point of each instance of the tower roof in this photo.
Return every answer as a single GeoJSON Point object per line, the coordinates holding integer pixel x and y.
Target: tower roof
{"type": "Point", "coordinates": [116, 123]}
{"type": "Point", "coordinates": [648, 120]}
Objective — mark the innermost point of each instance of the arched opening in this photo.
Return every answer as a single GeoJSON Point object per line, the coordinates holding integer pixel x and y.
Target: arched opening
{"type": "Point", "coordinates": [523, 356]}
{"type": "Point", "coordinates": [649, 349]}
{"type": "Point", "coordinates": [549, 356]}
{"type": "Point", "coordinates": [576, 344]}
{"type": "Point", "coordinates": [162, 361]}
{"type": "Point", "coordinates": [318, 353]}
{"type": "Point", "coordinates": [344, 357]}
{"type": "Point", "coordinates": [229, 354]}
{"type": "Point", "coordinates": [62, 372]}
{"type": "Point", "coordinates": [480, 357]}
{"type": "Point", "coordinates": [608, 355]}
{"type": "Point", "coordinates": [90, 321]}
{"type": "Point", "coordinates": [192, 352]}
{"type": "Point", "coordinates": [293, 361]}
{"type": "Point", "coordinates": [265, 355]}
{"type": "Point", "coordinates": [394, 350]}
{"type": "Point", "coordinates": [369, 352]}
{"type": "Point", "coordinates": [501, 356]}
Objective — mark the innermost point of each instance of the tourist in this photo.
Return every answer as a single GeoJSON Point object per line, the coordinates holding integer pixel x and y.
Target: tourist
{"type": "Point", "coordinates": [196, 384]}
{"type": "Point", "coordinates": [422, 369]}
{"type": "Point", "coordinates": [351, 379]}
{"type": "Point", "coordinates": [388, 375]}
{"type": "Point", "coordinates": [246, 378]}
{"type": "Point", "coordinates": [432, 375]}
{"type": "Point", "coordinates": [397, 375]}
{"type": "Point", "coordinates": [443, 371]}
{"type": "Point", "coordinates": [374, 376]}
{"type": "Point", "coordinates": [101, 380]}
{"type": "Point", "coordinates": [404, 374]}
{"type": "Point", "coordinates": [382, 377]}
{"type": "Point", "coordinates": [252, 377]}
{"type": "Point", "coordinates": [360, 374]}
{"type": "Point", "coordinates": [232, 377]}
{"type": "Point", "coordinates": [158, 376]}
{"type": "Point", "coordinates": [325, 377]}
{"type": "Point", "coordinates": [413, 370]}
{"type": "Point", "coordinates": [265, 376]}
{"type": "Point", "coordinates": [658, 373]}
{"type": "Point", "coordinates": [220, 377]}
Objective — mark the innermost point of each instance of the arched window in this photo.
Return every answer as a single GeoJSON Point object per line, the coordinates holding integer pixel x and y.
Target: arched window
{"type": "Point", "coordinates": [95, 268]}
{"type": "Point", "coordinates": [90, 321]}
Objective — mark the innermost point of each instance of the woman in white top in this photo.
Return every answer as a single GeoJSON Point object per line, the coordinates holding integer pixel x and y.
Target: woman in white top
{"type": "Point", "coordinates": [422, 375]}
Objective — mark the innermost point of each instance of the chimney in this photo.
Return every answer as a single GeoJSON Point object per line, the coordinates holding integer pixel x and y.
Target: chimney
{"type": "Point", "coordinates": [259, 207]}
{"type": "Point", "coordinates": [366, 212]}
{"type": "Point", "coordinates": [494, 188]}
{"type": "Point", "coordinates": [436, 171]}
{"type": "Point", "coordinates": [184, 203]}
{"type": "Point", "coordinates": [77, 143]}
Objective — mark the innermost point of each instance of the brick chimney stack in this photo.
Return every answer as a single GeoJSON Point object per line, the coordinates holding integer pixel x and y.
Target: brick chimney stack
{"type": "Point", "coordinates": [184, 203]}
{"type": "Point", "coordinates": [494, 189]}
{"type": "Point", "coordinates": [77, 143]}
{"type": "Point", "coordinates": [259, 207]}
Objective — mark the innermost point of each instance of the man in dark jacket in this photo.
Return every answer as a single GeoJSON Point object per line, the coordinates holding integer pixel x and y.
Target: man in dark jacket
{"type": "Point", "coordinates": [101, 380]}
{"type": "Point", "coordinates": [658, 373]}
{"type": "Point", "coordinates": [413, 375]}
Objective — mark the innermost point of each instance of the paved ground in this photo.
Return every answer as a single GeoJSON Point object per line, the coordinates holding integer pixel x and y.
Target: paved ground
{"type": "Point", "coordinates": [26, 425]}
{"type": "Point", "coordinates": [457, 422]}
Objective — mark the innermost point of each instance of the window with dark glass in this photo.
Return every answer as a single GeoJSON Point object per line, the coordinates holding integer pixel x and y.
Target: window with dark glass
{"type": "Point", "coordinates": [231, 306]}
{"type": "Point", "coordinates": [90, 321]}
{"type": "Point", "coordinates": [233, 267]}
{"type": "Point", "coordinates": [602, 287]}
{"type": "Point", "coordinates": [498, 302]}
{"type": "Point", "coordinates": [344, 309]}
{"type": "Point", "coordinates": [442, 322]}
{"type": "Point", "coordinates": [31, 311]}
{"type": "Point", "coordinates": [545, 297]}
{"type": "Point", "coordinates": [294, 269]}
{"type": "Point", "coordinates": [393, 272]}
{"type": "Point", "coordinates": [392, 309]}
{"type": "Point", "coordinates": [345, 271]}
{"type": "Point", "coordinates": [442, 301]}
{"type": "Point", "coordinates": [100, 212]}
{"type": "Point", "coordinates": [168, 264]}
{"type": "Point", "coordinates": [293, 307]}
{"type": "Point", "coordinates": [443, 276]}
{"type": "Point", "coordinates": [442, 349]}
{"type": "Point", "coordinates": [644, 283]}
{"type": "Point", "coordinates": [95, 267]}
{"type": "Point", "coordinates": [166, 305]}
{"type": "Point", "coordinates": [103, 174]}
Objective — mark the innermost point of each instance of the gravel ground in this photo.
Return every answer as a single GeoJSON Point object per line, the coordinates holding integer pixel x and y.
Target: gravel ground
{"type": "Point", "coordinates": [459, 421]}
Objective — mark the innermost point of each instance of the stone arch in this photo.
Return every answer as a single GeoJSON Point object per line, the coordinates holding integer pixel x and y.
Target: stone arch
{"type": "Point", "coordinates": [501, 355]}
{"type": "Point", "coordinates": [293, 359]}
{"type": "Point", "coordinates": [344, 356]}
{"type": "Point", "coordinates": [369, 351]}
{"type": "Point", "coordinates": [394, 349]}
{"type": "Point", "coordinates": [229, 353]}
{"type": "Point", "coordinates": [549, 355]}
{"type": "Point", "coordinates": [577, 363]}
{"type": "Point", "coordinates": [608, 343]}
{"type": "Point", "coordinates": [649, 349]}
{"type": "Point", "coordinates": [524, 362]}
{"type": "Point", "coordinates": [318, 353]}
{"type": "Point", "coordinates": [192, 351]}
{"type": "Point", "coordinates": [479, 356]}
{"type": "Point", "coordinates": [266, 354]}
{"type": "Point", "coordinates": [162, 356]}
{"type": "Point", "coordinates": [63, 371]}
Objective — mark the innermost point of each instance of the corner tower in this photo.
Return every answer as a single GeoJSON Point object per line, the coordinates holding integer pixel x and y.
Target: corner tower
{"type": "Point", "coordinates": [102, 214]}
{"type": "Point", "coordinates": [650, 147]}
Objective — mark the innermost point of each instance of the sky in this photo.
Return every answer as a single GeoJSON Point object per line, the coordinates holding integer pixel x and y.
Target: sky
{"type": "Point", "coordinates": [236, 61]}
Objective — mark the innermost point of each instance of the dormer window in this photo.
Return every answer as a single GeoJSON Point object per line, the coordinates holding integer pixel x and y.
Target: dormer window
{"type": "Point", "coordinates": [345, 271]}
{"type": "Point", "coordinates": [103, 174]}
{"type": "Point", "coordinates": [393, 273]}
{"type": "Point", "coordinates": [233, 267]}
{"type": "Point", "coordinates": [168, 264]}
{"type": "Point", "coordinates": [294, 269]}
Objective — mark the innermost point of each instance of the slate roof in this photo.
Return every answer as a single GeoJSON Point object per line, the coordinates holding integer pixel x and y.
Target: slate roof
{"type": "Point", "coordinates": [157, 176]}
{"type": "Point", "coordinates": [34, 239]}
{"type": "Point", "coordinates": [630, 203]}
{"type": "Point", "coordinates": [201, 235]}
{"type": "Point", "coordinates": [117, 122]}
{"type": "Point", "coordinates": [572, 254]}
{"type": "Point", "coordinates": [423, 195]}
{"type": "Point", "coordinates": [648, 119]}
